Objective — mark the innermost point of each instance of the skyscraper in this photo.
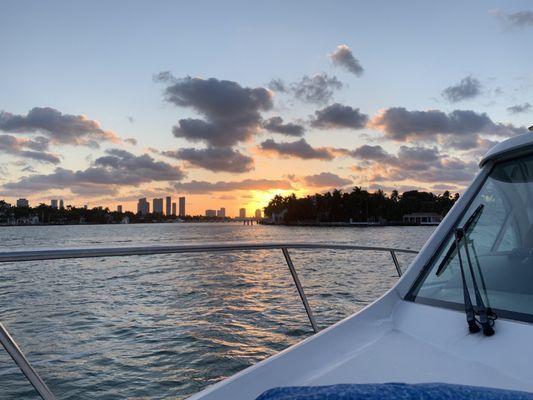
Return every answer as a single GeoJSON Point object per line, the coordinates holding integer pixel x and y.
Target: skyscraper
{"type": "Point", "coordinates": [119, 208]}
{"type": "Point", "coordinates": [258, 213]}
{"type": "Point", "coordinates": [210, 213]}
{"type": "Point", "coordinates": [61, 204]}
{"type": "Point", "coordinates": [157, 205]}
{"type": "Point", "coordinates": [53, 203]}
{"type": "Point", "coordinates": [143, 207]}
{"type": "Point", "coordinates": [174, 209]}
{"type": "Point", "coordinates": [168, 205]}
{"type": "Point", "coordinates": [221, 213]}
{"type": "Point", "coordinates": [182, 206]}
{"type": "Point", "coordinates": [23, 203]}
{"type": "Point", "coordinates": [242, 213]}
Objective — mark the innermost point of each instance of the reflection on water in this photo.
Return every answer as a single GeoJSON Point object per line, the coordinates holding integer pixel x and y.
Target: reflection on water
{"type": "Point", "coordinates": [169, 325]}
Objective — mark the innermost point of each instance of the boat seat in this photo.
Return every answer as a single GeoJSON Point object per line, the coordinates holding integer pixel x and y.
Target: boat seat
{"type": "Point", "coordinates": [384, 391]}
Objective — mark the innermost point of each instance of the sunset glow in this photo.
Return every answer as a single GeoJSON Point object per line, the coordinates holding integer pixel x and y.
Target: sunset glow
{"type": "Point", "coordinates": [230, 116]}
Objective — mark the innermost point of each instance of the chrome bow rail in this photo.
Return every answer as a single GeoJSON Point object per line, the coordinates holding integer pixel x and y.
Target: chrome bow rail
{"type": "Point", "coordinates": [40, 255]}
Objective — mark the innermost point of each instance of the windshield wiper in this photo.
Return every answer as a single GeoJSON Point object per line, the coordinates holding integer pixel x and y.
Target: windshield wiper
{"type": "Point", "coordinates": [486, 316]}
{"type": "Point", "coordinates": [466, 228]}
{"type": "Point", "coordinates": [469, 308]}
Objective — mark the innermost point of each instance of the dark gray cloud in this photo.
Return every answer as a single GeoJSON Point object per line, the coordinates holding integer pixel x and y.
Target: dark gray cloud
{"type": "Point", "coordinates": [278, 85]}
{"type": "Point", "coordinates": [339, 116]}
{"type": "Point", "coordinates": [18, 147]}
{"type": "Point", "coordinates": [459, 126]}
{"type": "Point", "coordinates": [298, 149]}
{"type": "Point", "coordinates": [343, 57]}
{"type": "Point", "coordinates": [326, 179]}
{"type": "Point", "coordinates": [316, 89]}
{"type": "Point", "coordinates": [468, 88]}
{"type": "Point", "coordinates": [276, 125]}
{"type": "Point", "coordinates": [519, 108]}
{"type": "Point", "coordinates": [131, 141]}
{"type": "Point", "coordinates": [214, 159]}
{"type": "Point", "coordinates": [58, 127]}
{"type": "Point", "coordinates": [117, 168]}
{"type": "Point", "coordinates": [231, 112]}
{"type": "Point", "coordinates": [419, 164]}
{"type": "Point", "coordinates": [372, 153]}
{"type": "Point", "coordinates": [517, 20]}
{"type": "Point", "coordinates": [203, 187]}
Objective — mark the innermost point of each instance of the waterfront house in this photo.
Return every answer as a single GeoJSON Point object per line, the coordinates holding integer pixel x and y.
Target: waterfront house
{"type": "Point", "coordinates": [421, 218]}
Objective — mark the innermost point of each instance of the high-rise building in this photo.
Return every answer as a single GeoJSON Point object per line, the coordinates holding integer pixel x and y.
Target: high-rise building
{"type": "Point", "coordinates": [168, 205]}
{"type": "Point", "coordinates": [174, 209]}
{"type": "Point", "coordinates": [23, 203]}
{"type": "Point", "coordinates": [210, 213]}
{"type": "Point", "coordinates": [143, 206]}
{"type": "Point", "coordinates": [182, 206]}
{"type": "Point", "coordinates": [242, 213]}
{"type": "Point", "coordinates": [258, 213]}
{"type": "Point", "coordinates": [119, 208]}
{"type": "Point", "coordinates": [53, 203]}
{"type": "Point", "coordinates": [61, 204]}
{"type": "Point", "coordinates": [157, 205]}
{"type": "Point", "coordinates": [221, 213]}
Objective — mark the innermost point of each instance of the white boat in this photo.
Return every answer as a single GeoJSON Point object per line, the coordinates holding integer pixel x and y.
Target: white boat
{"type": "Point", "coordinates": [417, 332]}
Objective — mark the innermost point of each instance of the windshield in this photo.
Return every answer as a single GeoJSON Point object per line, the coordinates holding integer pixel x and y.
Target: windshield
{"type": "Point", "coordinates": [501, 242]}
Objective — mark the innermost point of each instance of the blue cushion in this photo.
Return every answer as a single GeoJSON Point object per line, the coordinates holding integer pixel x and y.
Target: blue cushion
{"type": "Point", "coordinates": [403, 391]}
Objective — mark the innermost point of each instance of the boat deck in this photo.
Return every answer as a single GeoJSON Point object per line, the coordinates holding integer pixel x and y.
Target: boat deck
{"type": "Point", "coordinates": [394, 348]}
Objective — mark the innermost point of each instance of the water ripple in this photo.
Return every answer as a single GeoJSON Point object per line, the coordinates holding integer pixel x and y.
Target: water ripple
{"type": "Point", "coordinates": [166, 326]}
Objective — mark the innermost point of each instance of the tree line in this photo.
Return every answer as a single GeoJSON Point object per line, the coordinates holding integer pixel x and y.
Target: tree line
{"type": "Point", "coordinates": [359, 205]}
{"type": "Point", "coordinates": [45, 214]}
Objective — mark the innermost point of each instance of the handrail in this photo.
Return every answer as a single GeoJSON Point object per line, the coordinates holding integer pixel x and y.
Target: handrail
{"type": "Point", "coordinates": [41, 255]}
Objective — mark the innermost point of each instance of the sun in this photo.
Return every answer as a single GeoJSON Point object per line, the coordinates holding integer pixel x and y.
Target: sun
{"type": "Point", "coordinates": [260, 198]}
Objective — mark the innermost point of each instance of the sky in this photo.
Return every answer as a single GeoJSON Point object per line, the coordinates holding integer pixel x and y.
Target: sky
{"type": "Point", "coordinates": [229, 103]}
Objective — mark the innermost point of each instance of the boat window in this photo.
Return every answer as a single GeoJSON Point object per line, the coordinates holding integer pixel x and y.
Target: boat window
{"type": "Point", "coordinates": [500, 244]}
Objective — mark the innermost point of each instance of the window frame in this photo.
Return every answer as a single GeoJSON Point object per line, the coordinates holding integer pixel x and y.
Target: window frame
{"type": "Point", "coordinates": [429, 265]}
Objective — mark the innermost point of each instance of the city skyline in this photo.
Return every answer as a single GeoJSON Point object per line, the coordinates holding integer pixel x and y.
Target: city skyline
{"type": "Point", "coordinates": [161, 109]}
{"type": "Point", "coordinates": [143, 207]}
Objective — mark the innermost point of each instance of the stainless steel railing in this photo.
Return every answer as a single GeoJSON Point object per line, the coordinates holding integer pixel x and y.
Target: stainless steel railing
{"type": "Point", "coordinates": [40, 255]}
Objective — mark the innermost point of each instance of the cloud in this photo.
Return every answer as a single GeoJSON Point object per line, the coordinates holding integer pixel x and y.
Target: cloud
{"type": "Point", "coordinates": [117, 168]}
{"type": "Point", "coordinates": [339, 116]}
{"type": "Point", "coordinates": [519, 108]}
{"type": "Point", "coordinates": [278, 85]}
{"type": "Point", "coordinates": [18, 147]}
{"type": "Point", "coordinates": [420, 164]}
{"type": "Point", "coordinates": [458, 128]}
{"type": "Point", "coordinates": [231, 112]}
{"type": "Point", "coordinates": [518, 20]}
{"type": "Point", "coordinates": [276, 125]}
{"type": "Point", "coordinates": [58, 127]}
{"type": "Point", "coordinates": [372, 153]}
{"type": "Point", "coordinates": [316, 89]}
{"type": "Point", "coordinates": [468, 88]}
{"type": "Point", "coordinates": [131, 141]}
{"type": "Point", "coordinates": [203, 187]}
{"type": "Point", "coordinates": [298, 149]}
{"type": "Point", "coordinates": [343, 57]}
{"type": "Point", "coordinates": [214, 159]}
{"type": "Point", "coordinates": [325, 179]}
{"type": "Point", "coordinates": [444, 187]}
